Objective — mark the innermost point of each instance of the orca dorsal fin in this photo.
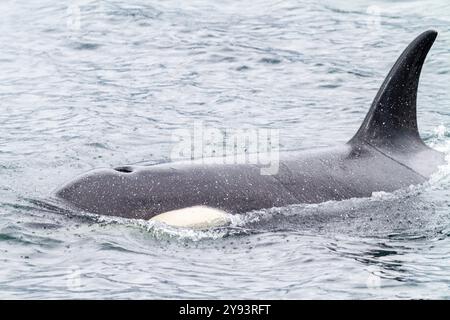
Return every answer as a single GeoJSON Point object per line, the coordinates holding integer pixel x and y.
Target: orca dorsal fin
{"type": "Point", "coordinates": [391, 122]}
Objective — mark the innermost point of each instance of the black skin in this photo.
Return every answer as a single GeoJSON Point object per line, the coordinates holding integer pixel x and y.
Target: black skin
{"type": "Point", "coordinates": [386, 154]}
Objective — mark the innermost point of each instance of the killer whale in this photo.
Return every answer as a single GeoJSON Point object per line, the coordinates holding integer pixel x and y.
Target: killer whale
{"type": "Point", "coordinates": [385, 154]}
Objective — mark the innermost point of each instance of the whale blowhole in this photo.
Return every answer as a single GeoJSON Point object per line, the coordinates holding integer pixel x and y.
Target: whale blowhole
{"type": "Point", "coordinates": [125, 169]}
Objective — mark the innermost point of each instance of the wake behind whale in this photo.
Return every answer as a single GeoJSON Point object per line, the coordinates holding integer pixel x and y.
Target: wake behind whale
{"type": "Point", "coordinates": [386, 154]}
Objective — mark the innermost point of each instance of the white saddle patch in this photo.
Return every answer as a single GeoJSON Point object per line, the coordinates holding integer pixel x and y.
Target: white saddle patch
{"type": "Point", "coordinates": [198, 217]}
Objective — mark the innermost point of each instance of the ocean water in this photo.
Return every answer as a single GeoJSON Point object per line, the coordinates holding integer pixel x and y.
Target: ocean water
{"type": "Point", "coordinates": [88, 84]}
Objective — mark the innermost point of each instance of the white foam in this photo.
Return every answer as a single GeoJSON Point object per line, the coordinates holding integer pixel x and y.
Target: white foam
{"type": "Point", "coordinates": [441, 143]}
